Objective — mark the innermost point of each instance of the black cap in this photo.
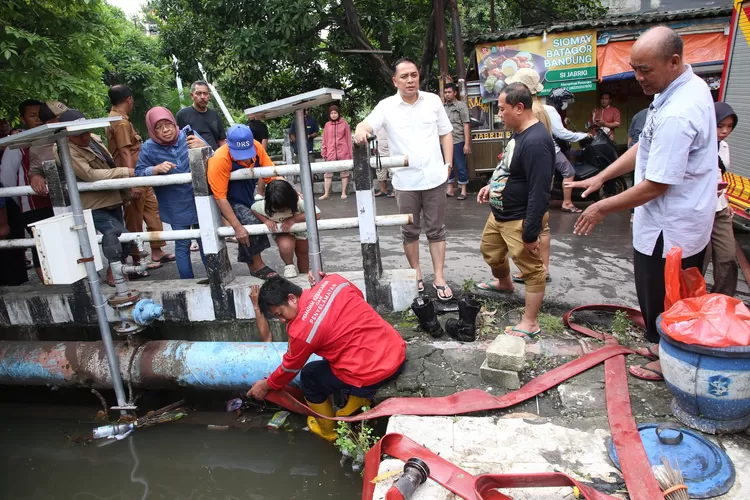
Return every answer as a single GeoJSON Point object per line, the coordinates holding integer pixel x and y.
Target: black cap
{"type": "Point", "coordinates": [72, 115]}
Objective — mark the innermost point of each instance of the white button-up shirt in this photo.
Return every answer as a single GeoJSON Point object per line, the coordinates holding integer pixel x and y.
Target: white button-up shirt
{"type": "Point", "coordinates": [678, 147]}
{"type": "Point", "coordinates": [414, 130]}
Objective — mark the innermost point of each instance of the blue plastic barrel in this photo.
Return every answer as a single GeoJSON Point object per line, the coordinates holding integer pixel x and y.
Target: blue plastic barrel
{"type": "Point", "coordinates": [711, 386]}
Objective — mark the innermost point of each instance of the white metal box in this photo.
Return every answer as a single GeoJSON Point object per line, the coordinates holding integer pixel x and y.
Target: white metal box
{"type": "Point", "coordinates": [59, 248]}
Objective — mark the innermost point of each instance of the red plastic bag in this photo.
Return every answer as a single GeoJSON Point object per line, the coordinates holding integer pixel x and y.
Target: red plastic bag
{"type": "Point", "coordinates": [681, 283]}
{"type": "Point", "coordinates": [713, 320]}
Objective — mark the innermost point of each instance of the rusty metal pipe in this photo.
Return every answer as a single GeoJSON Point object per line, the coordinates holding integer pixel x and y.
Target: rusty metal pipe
{"type": "Point", "coordinates": [160, 364]}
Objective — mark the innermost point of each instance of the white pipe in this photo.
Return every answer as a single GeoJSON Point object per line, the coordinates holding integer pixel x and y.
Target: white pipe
{"type": "Point", "coordinates": [216, 95]}
{"type": "Point", "coordinates": [246, 173]}
{"type": "Point", "coordinates": [225, 231]}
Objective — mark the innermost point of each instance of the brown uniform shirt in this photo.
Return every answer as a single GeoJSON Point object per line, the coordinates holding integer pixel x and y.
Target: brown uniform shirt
{"type": "Point", "coordinates": [121, 135]}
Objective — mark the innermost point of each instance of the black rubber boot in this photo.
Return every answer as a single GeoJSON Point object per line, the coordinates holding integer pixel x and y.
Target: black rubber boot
{"type": "Point", "coordinates": [464, 329]}
{"type": "Point", "coordinates": [425, 311]}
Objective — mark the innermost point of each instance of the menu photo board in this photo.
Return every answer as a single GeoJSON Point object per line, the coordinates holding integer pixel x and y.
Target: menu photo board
{"type": "Point", "coordinates": [561, 59]}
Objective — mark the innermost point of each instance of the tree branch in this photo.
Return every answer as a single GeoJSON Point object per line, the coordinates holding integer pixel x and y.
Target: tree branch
{"type": "Point", "coordinates": [429, 52]}
{"type": "Point", "coordinates": [354, 29]}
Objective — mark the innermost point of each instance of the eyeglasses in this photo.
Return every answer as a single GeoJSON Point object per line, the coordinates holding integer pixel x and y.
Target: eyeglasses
{"type": "Point", "coordinates": [164, 127]}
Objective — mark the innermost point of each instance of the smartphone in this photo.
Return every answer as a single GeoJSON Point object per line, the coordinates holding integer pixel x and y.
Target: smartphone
{"type": "Point", "coordinates": [189, 133]}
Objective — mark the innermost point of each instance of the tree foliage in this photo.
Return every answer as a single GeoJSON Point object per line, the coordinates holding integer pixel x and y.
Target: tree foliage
{"type": "Point", "coordinates": [261, 50]}
{"type": "Point", "coordinates": [71, 50]}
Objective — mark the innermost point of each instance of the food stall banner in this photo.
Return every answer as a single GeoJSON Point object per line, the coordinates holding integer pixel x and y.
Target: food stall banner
{"type": "Point", "coordinates": [700, 48]}
{"type": "Point", "coordinates": [561, 59]}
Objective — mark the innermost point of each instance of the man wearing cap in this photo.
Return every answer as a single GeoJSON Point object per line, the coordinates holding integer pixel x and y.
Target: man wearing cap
{"type": "Point", "coordinates": [235, 198]}
{"type": "Point", "coordinates": [92, 162]}
{"type": "Point", "coordinates": [125, 146]}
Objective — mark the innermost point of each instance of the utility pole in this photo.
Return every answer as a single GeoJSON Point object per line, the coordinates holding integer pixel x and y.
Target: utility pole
{"type": "Point", "coordinates": [442, 49]}
{"type": "Point", "coordinates": [458, 42]}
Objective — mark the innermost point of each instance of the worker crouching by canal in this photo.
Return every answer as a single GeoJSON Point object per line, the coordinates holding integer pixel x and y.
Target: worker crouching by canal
{"type": "Point", "coordinates": [360, 350]}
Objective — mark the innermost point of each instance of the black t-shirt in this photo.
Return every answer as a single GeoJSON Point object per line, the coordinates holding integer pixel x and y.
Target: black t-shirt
{"type": "Point", "coordinates": [520, 185]}
{"type": "Point", "coordinates": [207, 124]}
{"type": "Point", "coordinates": [259, 129]}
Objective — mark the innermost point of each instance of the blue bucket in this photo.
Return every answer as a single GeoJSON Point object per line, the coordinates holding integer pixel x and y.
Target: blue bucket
{"type": "Point", "coordinates": [711, 386]}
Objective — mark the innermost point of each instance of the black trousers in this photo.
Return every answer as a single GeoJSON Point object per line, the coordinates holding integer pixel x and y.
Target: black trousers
{"type": "Point", "coordinates": [318, 382]}
{"type": "Point", "coordinates": [649, 283]}
{"type": "Point", "coordinates": [13, 262]}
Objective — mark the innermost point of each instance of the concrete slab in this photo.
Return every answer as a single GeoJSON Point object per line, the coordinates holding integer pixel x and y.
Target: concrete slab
{"type": "Point", "coordinates": [507, 379]}
{"type": "Point", "coordinates": [488, 445]}
{"type": "Point", "coordinates": [506, 352]}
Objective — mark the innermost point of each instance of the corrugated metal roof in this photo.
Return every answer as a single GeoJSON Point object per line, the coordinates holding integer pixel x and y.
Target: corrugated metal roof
{"type": "Point", "coordinates": [610, 22]}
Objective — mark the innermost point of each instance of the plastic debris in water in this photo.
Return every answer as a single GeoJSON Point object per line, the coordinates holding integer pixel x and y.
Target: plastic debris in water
{"type": "Point", "coordinates": [234, 404]}
{"type": "Point", "coordinates": [115, 431]}
{"type": "Point", "coordinates": [278, 419]}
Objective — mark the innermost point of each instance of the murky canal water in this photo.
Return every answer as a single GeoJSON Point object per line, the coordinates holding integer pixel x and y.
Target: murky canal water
{"type": "Point", "coordinates": [168, 461]}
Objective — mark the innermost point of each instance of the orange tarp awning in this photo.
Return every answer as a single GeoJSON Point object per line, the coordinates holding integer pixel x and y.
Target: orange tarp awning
{"type": "Point", "coordinates": [614, 57]}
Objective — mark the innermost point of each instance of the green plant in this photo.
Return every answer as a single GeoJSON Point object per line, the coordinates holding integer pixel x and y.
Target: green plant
{"type": "Point", "coordinates": [468, 285]}
{"type": "Point", "coordinates": [550, 324]}
{"type": "Point", "coordinates": [621, 325]}
{"type": "Point", "coordinates": [354, 441]}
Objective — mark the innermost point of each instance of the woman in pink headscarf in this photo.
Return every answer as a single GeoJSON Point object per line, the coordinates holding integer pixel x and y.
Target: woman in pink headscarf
{"type": "Point", "coordinates": [166, 153]}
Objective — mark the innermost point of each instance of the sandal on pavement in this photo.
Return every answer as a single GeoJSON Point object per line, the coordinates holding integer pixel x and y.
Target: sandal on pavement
{"type": "Point", "coordinates": [290, 271]}
{"type": "Point", "coordinates": [526, 335]}
{"type": "Point", "coordinates": [487, 286]}
{"type": "Point", "coordinates": [420, 286]}
{"type": "Point", "coordinates": [391, 195]}
{"type": "Point", "coordinates": [138, 276]}
{"type": "Point", "coordinates": [194, 247]}
{"type": "Point", "coordinates": [643, 372]}
{"type": "Point", "coordinates": [153, 265]}
{"type": "Point", "coordinates": [447, 293]}
{"type": "Point", "coordinates": [571, 210]}
{"type": "Point", "coordinates": [264, 273]}
{"type": "Point", "coordinates": [461, 197]}
{"type": "Point", "coordinates": [449, 195]}
{"type": "Point", "coordinates": [170, 257]}
{"type": "Point", "coordinates": [380, 194]}
{"type": "Point", "coordinates": [647, 352]}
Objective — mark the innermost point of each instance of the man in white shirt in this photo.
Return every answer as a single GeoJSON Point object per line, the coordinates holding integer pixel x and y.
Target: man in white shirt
{"type": "Point", "coordinates": [675, 176]}
{"type": "Point", "coordinates": [417, 126]}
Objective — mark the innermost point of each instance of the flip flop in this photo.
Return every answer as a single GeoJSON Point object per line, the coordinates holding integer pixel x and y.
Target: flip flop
{"type": "Point", "coordinates": [194, 247]}
{"type": "Point", "coordinates": [444, 288]}
{"type": "Point", "coordinates": [461, 197]}
{"type": "Point", "coordinates": [391, 195]}
{"type": "Point", "coordinates": [153, 265]}
{"type": "Point", "coordinates": [420, 286]}
{"type": "Point", "coordinates": [645, 373]}
{"type": "Point", "coordinates": [138, 276]}
{"type": "Point", "coordinates": [571, 210]}
{"type": "Point", "coordinates": [264, 273]}
{"type": "Point", "coordinates": [380, 194]}
{"type": "Point", "coordinates": [490, 288]}
{"type": "Point", "coordinates": [170, 257]}
{"type": "Point", "coordinates": [526, 335]}
{"type": "Point", "coordinates": [449, 195]}
{"type": "Point", "coordinates": [646, 352]}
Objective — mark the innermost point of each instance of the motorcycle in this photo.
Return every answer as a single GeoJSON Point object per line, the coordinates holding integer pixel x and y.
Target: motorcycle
{"type": "Point", "coordinates": [596, 155]}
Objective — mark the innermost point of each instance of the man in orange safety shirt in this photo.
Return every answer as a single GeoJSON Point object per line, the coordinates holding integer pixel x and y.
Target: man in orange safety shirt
{"type": "Point", "coordinates": [360, 350]}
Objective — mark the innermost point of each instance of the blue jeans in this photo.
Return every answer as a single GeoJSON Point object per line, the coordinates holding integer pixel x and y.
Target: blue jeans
{"type": "Point", "coordinates": [111, 219]}
{"type": "Point", "coordinates": [182, 252]}
{"type": "Point", "coordinates": [459, 164]}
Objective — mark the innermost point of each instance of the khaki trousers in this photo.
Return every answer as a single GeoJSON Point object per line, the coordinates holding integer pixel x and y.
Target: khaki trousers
{"type": "Point", "coordinates": [722, 252]}
{"type": "Point", "coordinates": [146, 209]}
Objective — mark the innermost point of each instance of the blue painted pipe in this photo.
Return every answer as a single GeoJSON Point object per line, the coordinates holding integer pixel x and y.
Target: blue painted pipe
{"type": "Point", "coordinates": [155, 364]}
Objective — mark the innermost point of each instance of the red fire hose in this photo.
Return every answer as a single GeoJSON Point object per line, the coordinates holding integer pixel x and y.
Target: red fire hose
{"type": "Point", "coordinates": [635, 465]}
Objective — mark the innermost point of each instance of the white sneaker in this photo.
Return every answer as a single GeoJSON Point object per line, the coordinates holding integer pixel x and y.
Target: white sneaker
{"type": "Point", "coordinates": [290, 271]}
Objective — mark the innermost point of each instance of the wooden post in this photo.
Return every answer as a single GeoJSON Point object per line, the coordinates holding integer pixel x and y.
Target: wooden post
{"type": "Point", "coordinates": [56, 188]}
{"type": "Point", "coordinates": [218, 268]}
{"type": "Point", "coordinates": [378, 293]}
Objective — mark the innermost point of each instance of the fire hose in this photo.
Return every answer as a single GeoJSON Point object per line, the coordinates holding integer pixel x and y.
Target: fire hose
{"type": "Point", "coordinates": [635, 465]}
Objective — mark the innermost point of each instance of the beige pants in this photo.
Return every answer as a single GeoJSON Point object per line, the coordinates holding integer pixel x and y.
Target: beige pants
{"type": "Point", "coordinates": [146, 209]}
{"type": "Point", "coordinates": [427, 206]}
{"type": "Point", "coordinates": [722, 252]}
{"type": "Point", "coordinates": [500, 239]}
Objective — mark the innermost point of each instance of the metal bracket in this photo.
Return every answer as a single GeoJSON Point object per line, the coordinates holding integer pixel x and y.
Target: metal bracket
{"type": "Point", "coordinates": [78, 228]}
{"type": "Point", "coordinates": [82, 260]}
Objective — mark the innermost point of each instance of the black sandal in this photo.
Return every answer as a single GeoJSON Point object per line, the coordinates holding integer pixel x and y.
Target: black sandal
{"type": "Point", "coordinates": [264, 273]}
{"type": "Point", "coordinates": [380, 194]}
{"type": "Point", "coordinates": [420, 286]}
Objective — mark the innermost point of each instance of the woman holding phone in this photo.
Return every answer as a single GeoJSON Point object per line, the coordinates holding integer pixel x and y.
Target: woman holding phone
{"type": "Point", "coordinates": [165, 153]}
{"type": "Point", "coordinates": [722, 248]}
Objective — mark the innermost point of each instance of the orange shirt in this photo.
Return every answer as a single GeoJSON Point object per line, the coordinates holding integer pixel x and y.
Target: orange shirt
{"type": "Point", "coordinates": [220, 166]}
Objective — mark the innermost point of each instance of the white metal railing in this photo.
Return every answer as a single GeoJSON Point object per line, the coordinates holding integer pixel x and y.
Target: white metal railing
{"type": "Point", "coordinates": [225, 231]}
{"type": "Point", "coordinates": [281, 141]}
{"type": "Point", "coordinates": [186, 178]}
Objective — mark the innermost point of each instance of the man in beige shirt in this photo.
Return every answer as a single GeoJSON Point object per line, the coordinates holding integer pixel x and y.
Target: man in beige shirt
{"type": "Point", "coordinates": [92, 162]}
{"type": "Point", "coordinates": [125, 145]}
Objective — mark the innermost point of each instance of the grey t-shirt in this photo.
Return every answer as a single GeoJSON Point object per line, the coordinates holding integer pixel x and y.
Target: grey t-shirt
{"type": "Point", "coordinates": [458, 114]}
{"type": "Point", "coordinates": [207, 124]}
{"type": "Point", "coordinates": [636, 127]}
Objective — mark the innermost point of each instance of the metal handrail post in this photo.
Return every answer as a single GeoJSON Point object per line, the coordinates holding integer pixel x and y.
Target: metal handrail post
{"type": "Point", "coordinates": [93, 277]}
{"type": "Point", "coordinates": [306, 180]}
